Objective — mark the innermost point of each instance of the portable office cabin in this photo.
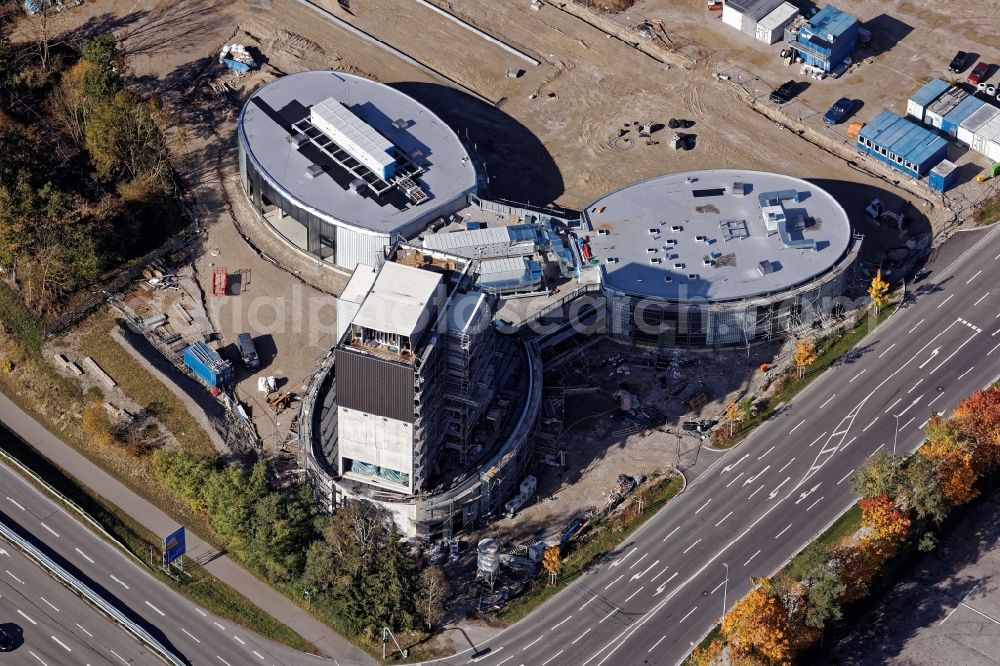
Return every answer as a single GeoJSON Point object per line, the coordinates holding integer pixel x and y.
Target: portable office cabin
{"type": "Point", "coordinates": [986, 140]}
{"type": "Point", "coordinates": [827, 39]}
{"type": "Point", "coordinates": [968, 127]}
{"type": "Point", "coordinates": [771, 28]}
{"type": "Point", "coordinates": [745, 14]}
{"type": "Point", "coordinates": [917, 105]}
{"type": "Point", "coordinates": [902, 144]}
{"type": "Point", "coordinates": [943, 176]}
{"type": "Point", "coordinates": [945, 104]}
{"type": "Point", "coordinates": [965, 108]}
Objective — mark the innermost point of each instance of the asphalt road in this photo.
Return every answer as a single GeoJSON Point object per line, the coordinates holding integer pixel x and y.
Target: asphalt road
{"type": "Point", "coordinates": [53, 625]}
{"type": "Point", "coordinates": [761, 502]}
{"type": "Point", "coordinates": [191, 632]}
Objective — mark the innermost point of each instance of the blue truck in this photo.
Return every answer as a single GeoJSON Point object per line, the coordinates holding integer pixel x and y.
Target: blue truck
{"type": "Point", "coordinates": [208, 366]}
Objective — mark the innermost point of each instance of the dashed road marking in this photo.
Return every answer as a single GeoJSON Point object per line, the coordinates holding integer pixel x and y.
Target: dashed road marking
{"type": "Point", "coordinates": [51, 605]}
{"type": "Point", "coordinates": [63, 645]}
{"type": "Point", "coordinates": [655, 644]}
{"type": "Point", "coordinates": [84, 555]}
{"type": "Point", "coordinates": [688, 614]}
{"type": "Point", "coordinates": [751, 558]}
{"type": "Point", "coordinates": [783, 531]}
{"type": "Point", "coordinates": [845, 477]}
{"type": "Point", "coordinates": [119, 581]}
{"type": "Point", "coordinates": [14, 577]}
{"type": "Point", "coordinates": [162, 614]}
{"type": "Point", "coordinates": [25, 616]}
{"type": "Point", "coordinates": [587, 631]}
{"type": "Point", "coordinates": [945, 300]}
{"type": "Point", "coordinates": [814, 503]}
{"type": "Point", "coordinates": [190, 635]}
{"type": "Point", "coordinates": [691, 546]}
{"type": "Point", "coordinates": [699, 509]}
{"type": "Point", "coordinates": [552, 657]}
{"type": "Point", "coordinates": [16, 503]}
{"type": "Point", "coordinates": [52, 531]}
{"type": "Point", "coordinates": [724, 518]}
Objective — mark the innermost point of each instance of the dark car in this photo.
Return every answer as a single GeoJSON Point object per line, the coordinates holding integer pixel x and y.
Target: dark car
{"type": "Point", "coordinates": [6, 641]}
{"type": "Point", "coordinates": [784, 92]}
{"type": "Point", "coordinates": [978, 73]}
{"type": "Point", "coordinates": [837, 112]}
{"type": "Point", "coordinates": [958, 63]}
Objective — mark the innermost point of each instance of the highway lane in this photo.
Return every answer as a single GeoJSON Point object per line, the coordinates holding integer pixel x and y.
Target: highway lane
{"type": "Point", "coordinates": [193, 633]}
{"type": "Point", "coordinates": [761, 502]}
{"type": "Point", "coordinates": [56, 627]}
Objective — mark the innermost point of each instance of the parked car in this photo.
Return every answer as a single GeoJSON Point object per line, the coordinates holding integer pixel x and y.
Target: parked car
{"type": "Point", "coordinates": [978, 73]}
{"type": "Point", "coordinates": [959, 62]}
{"type": "Point", "coordinates": [784, 92]}
{"type": "Point", "coordinates": [248, 352]}
{"type": "Point", "coordinates": [837, 112]}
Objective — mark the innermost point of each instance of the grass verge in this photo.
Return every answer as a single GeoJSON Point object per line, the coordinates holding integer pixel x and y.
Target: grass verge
{"type": "Point", "coordinates": [829, 351]}
{"type": "Point", "coordinates": [201, 587]}
{"type": "Point", "coordinates": [602, 541]}
{"type": "Point", "coordinates": [988, 211]}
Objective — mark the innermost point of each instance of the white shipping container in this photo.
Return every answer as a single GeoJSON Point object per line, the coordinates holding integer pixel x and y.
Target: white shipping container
{"type": "Point", "coordinates": [771, 28]}
{"type": "Point", "coordinates": [732, 18]}
{"type": "Point", "coordinates": [986, 139]}
{"type": "Point", "coordinates": [968, 127]}
{"type": "Point", "coordinates": [528, 486]}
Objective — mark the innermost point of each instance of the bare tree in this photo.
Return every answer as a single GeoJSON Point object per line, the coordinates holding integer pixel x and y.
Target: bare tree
{"type": "Point", "coordinates": [45, 26]}
{"type": "Point", "coordinates": [433, 588]}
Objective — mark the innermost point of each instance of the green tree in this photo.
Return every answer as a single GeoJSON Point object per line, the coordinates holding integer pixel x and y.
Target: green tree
{"type": "Point", "coordinates": [922, 490]}
{"type": "Point", "coordinates": [103, 50]}
{"type": "Point", "coordinates": [123, 139]}
{"type": "Point", "coordinates": [393, 587]}
{"type": "Point", "coordinates": [811, 564]}
{"type": "Point", "coordinates": [823, 600]}
{"type": "Point", "coordinates": [881, 474]}
{"type": "Point", "coordinates": [184, 473]}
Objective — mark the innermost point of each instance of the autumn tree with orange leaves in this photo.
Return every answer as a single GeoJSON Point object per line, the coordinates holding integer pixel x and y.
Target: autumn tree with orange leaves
{"type": "Point", "coordinates": [952, 457]}
{"type": "Point", "coordinates": [757, 627]}
{"type": "Point", "coordinates": [977, 420]}
{"type": "Point", "coordinates": [886, 525]}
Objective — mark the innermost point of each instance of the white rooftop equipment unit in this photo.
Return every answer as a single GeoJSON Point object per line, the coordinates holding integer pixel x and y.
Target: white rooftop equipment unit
{"type": "Point", "coordinates": [355, 136]}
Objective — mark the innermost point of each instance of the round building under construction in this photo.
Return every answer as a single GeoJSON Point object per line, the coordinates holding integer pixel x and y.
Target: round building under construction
{"type": "Point", "coordinates": [717, 257]}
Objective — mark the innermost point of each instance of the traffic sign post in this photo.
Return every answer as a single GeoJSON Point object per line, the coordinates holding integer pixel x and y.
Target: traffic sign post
{"type": "Point", "coordinates": [174, 547]}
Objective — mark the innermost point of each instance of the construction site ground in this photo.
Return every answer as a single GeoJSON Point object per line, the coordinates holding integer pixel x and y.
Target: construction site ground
{"type": "Point", "coordinates": [549, 135]}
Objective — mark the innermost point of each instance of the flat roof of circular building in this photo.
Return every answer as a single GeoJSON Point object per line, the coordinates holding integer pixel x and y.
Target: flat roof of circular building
{"type": "Point", "coordinates": [716, 235]}
{"type": "Point", "coordinates": [266, 130]}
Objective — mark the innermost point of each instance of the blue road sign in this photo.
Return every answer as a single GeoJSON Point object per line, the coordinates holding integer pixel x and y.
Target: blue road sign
{"type": "Point", "coordinates": [173, 545]}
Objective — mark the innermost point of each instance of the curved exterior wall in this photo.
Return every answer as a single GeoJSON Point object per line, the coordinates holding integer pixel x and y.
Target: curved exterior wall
{"type": "Point", "coordinates": [650, 321]}
{"type": "Point", "coordinates": [329, 236]}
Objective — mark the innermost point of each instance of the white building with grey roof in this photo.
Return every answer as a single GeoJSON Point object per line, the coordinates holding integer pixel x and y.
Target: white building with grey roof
{"type": "Point", "coordinates": [342, 167]}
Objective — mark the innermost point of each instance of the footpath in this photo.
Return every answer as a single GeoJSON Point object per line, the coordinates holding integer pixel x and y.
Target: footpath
{"type": "Point", "coordinates": [269, 600]}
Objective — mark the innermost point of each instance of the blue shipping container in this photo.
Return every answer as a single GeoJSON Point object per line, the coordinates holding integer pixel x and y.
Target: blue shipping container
{"type": "Point", "coordinates": [965, 108]}
{"type": "Point", "coordinates": [902, 144]}
{"type": "Point", "coordinates": [943, 176]}
{"type": "Point", "coordinates": [206, 363]}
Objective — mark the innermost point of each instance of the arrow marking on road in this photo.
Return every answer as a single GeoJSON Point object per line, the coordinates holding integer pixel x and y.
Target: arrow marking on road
{"type": "Point", "coordinates": [809, 492]}
{"type": "Point", "coordinates": [729, 467]}
{"type": "Point", "coordinates": [934, 352]}
{"type": "Point", "coordinates": [619, 561]}
{"type": "Point", "coordinates": [751, 479]}
{"type": "Point", "coordinates": [774, 493]}
{"type": "Point", "coordinates": [761, 456]}
{"type": "Point", "coordinates": [640, 575]}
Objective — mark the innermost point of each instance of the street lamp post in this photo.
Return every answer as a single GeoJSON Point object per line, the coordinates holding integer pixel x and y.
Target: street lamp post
{"type": "Point", "coordinates": [895, 436]}
{"type": "Point", "coordinates": [725, 591]}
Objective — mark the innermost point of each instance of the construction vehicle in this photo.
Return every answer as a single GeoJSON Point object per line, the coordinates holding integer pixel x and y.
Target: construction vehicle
{"type": "Point", "coordinates": [878, 213]}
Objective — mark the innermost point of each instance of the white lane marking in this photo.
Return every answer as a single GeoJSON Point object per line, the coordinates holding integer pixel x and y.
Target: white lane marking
{"type": "Point", "coordinates": [783, 531]}
{"type": "Point", "coordinates": [786, 465]}
{"type": "Point", "coordinates": [751, 558]}
{"type": "Point", "coordinates": [959, 604]}
{"type": "Point", "coordinates": [239, 640]}
{"type": "Point", "coordinates": [16, 503]}
{"type": "Point", "coordinates": [912, 404]}
{"type": "Point", "coordinates": [818, 438]}
{"type": "Point", "coordinates": [552, 657]}
{"type": "Point", "coordinates": [716, 588]}
{"type": "Point", "coordinates": [877, 448]}
{"type": "Point", "coordinates": [828, 400]}
{"type": "Point", "coordinates": [119, 581]}
{"type": "Point", "coordinates": [774, 493]}
{"type": "Point", "coordinates": [993, 620]}
{"type": "Point", "coordinates": [655, 644]}
{"type": "Point", "coordinates": [644, 556]}
{"type": "Point", "coordinates": [935, 399]}
{"type": "Point", "coordinates": [84, 630]}
{"type": "Point", "coordinates": [120, 658]}
{"type": "Point", "coordinates": [973, 278]}
{"type": "Point", "coordinates": [671, 532]}
{"type": "Point", "coordinates": [219, 626]}
{"type": "Point", "coordinates": [38, 658]}
{"type": "Point", "coordinates": [648, 569]}
{"type": "Point", "coordinates": [223, 660]}
{"type": "Point", "coordinates": [857, 375]}
{"type": "Point", "coordinates": [756, 476]}
{"type": "Point", "coordinates": [992, 350]}
{"type": "Point", "coordinates": [980, 299]}
{"type": "Point", "coordinates": [586, 602]}
{"type": "Point", "coordinates": [14, 577]}
{"type": "Point", "coordinates": [887, 350]}
{"type": "Point", "coordinates": [870, 424]}
{"type": "Point", "coordinates": [613, 611]}
{"type": "Point", "coordinates": [201, 612]}
{"type": "Point", "coordinates": [945, 300]}
{"type": "Point", "coordinates": [488, 654]}
{"type": "Point", "coordinates": [632, 595]}
{"type": "Point", "coordinates": [848, 442]}
{"type": "Point", "coordinates": [702, 507]}
{"type": "Point", "coordinates": [622, 559]}
{"type": "Point", "coordinates": [845, 477]}
{"type": "Point", "coordinates": [741, 473]}
{"type": "Point", "coordinates": [85, 556]}
{"type": "Point", "coordinates": [964, 374]}
{"type": "Point", "coordinates": [614, 581]}
{"type": "Point", "coordinates": [64, 646]}
{"type": "Point", "coordinates": [260, 656]}
{"type": "Point", "coordinates": [903, 427]}
{"type": "Point", "coordinates": [914, 387]}
{"type": "Point", "coordinates": [563, 622]}
{"type": "Point", "coordinates": [691, 546]}
{"type": "Point", "coordinates": [755, 492]}
{"type": "Point", "coordinates": [761, 456]}
{"type": "Point", "coordinates": [924, 423]}
{"type": "Point", "coordinates": [724, 518]}
{"type": "Point", "coordinates": [162, 614]}
{"type": "Point", "coordinates": [51, 605]}
{"type": "Point", "coordinates": [814, 503]}
{"type": "Point", "coordinates": [52, 531]}
{"type": "Point", "coordinates": [795, 428]}
{"type": "Point", "coordinates": [898, 400]}
{"type": "Point", "coordinates": [192, 636]}
{"type": "Point", "coordinates": [22, 614]}
{"type": "Point", "coordinates": [581, 636]}
{"type": "Point", "coordinates": [732, 465]}
{"type": "Point", "coordinates": [687, 614]}
{"type": "Point", "coordinates": [915, 326]}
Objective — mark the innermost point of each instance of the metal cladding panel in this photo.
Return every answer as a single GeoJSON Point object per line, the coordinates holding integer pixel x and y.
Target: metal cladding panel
{"type": "Point", "coordinates": [374, 386]}
{"type": "Point", "coordinates": [356, 247]}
